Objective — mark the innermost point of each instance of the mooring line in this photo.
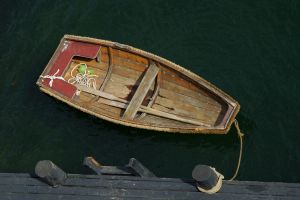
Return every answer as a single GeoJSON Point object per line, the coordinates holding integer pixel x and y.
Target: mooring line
{"type": "Point", "coordinates": [240, 135]}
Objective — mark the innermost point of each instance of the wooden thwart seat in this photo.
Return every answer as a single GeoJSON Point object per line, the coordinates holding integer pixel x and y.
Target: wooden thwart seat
{"type": "Point", "coordinates": [141, 92]}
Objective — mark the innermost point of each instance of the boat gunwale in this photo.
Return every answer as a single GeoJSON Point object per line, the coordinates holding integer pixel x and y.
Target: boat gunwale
{"type": "Point", "coordinates": [219, 129]}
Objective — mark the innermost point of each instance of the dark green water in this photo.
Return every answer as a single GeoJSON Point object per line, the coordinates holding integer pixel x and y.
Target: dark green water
{"type": "Point", "coordinates": [250, 49]}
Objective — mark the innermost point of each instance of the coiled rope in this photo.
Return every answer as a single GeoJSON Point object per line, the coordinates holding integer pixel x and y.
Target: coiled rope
{"type": "Point", "coordinates": [85, 79]}
{"type": "Point", "coordinates": [240, 135]}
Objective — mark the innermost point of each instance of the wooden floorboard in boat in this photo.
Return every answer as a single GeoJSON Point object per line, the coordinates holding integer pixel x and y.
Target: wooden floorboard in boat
{"type": "Point", "coordinates": [199, 103]}
{"type": "Point", "coordinates": [127, 72]}
{"type": "Point", "coordinates": [116, 113]}
{"type": "Point", "coordinates": [186, 111]}
{"type": "Point", "coordinates": [128, 55]}
{"type": "Point", "coordinates": [174, 77]}
{"type": "Point", "coordinates": [176, 80]}
{"type": "Point", "coordinates": [131, 56]}
{"type": "Point", "coordinates": [126, 75]}
{"type": "Point", "coordinates": [170, 94]}
{"type": "Point", "coordinates": [168, 75]}
{"type": "Point", "coordinates": [117, 89]}
{"type": "Point", "coordinates": [122, 87]}
{"type": "Point", "coordinates": [127, 62]}
{"type": "Point", "coordinates": [89, 101]}
{"type": "Point", "coordinates": [103, 109]}
{"type": "Point", "coordinates": [182, 92]}
{"type": "Point", "coordinates": [164, 122]}
{"type": "Point", "coordinates": [85, 97]}
{"type": "Point", "coordinates": [107, 110]}
{"type": "Point", "coordinates": [170, 86]}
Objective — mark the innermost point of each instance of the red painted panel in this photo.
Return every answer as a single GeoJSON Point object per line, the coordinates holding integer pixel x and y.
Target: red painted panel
{"type": "Point", "coordinates": [62, 87]}
{"type": "Point", "coordinates": [68, 51]}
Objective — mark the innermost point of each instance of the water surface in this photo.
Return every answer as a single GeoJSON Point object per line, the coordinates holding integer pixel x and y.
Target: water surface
{"type": "Point", "coordinates": [249, 49]}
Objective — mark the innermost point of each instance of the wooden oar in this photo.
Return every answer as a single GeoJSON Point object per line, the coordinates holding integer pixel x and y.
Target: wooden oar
{"type": "Point", "coordinates": [121, 103]}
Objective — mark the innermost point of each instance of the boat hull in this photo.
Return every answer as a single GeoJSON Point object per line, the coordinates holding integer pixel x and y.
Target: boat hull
{"type": "Point", "coordinates": [140, 89]}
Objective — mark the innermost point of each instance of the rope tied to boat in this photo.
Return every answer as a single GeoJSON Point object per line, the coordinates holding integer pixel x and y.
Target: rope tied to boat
{"type": "Point", "coordinates": [52, 77]}
{"type": "Point", "coordinates": [240, 135]}
{"type": "Point", "coordinates": [83, 77]}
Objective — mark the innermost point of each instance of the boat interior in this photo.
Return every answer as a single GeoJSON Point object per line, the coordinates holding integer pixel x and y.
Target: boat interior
{"type": "Point", "coordinates": [141, 84]}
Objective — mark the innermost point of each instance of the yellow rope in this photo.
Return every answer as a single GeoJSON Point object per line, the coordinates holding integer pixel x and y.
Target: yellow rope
{"type": "Point", "coordinates": [85, 78]}
{"type": "Point", "coordinates": [240, 135]}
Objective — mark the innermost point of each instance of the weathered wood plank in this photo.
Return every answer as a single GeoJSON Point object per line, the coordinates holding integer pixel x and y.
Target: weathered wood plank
{"type": "Point", "coordinates": [125, 88]}
{"type": "Point", "coordinates": [161, 184]}
{"type": "Point", "coordinates": [15, 186]}
{"type": "Point", "coordinates": [189, 89]}
{"type": "Point", "coordinates": [127, 72]}
{"type": "Point", "coordinates": [141, 92]}
{"type": "Point", "coordinates": [180, 113]}
{"type": "Point", "coordinates": [84, 98]}
{"type": "Point", "coordinates": [169, 90]}
{"type": "Point", "coordinates": [121, 103]}
{"type": "Point", "coordinates": [29, 196]}
{"type": "Point", "coordinates": [115, 170]}
{"type": "Point", "coordinates": [166, 183]}
{"type": "Point", "coordinates": [109, 71]}
{"type": "Point", "coordinates": [18, 196]}
{"type": "Point", "coordinates": [168, 74]}
{"type": "Point", "coordinates": [130, 57]}
{"type": "Point", "coordinates": [148, 110]}
{"type": "Point", "coordinates": [170, 86]}
{"type": "Point", "coordinates": [164, 122]}
{"type": "Point", "coordinates": [154, 94]}
{"type": "Point", "coordinates": [131, 64]}
{"type": "Point", "coordinates": [118, 89]}
{"type": "Point", "coordinates": [186, 110]}
{"type": "Point", "coordinates": [105, 110]}
{"type": "Point", "coordinates": [99, 93]}
{"type": "Point", "coordinates": [175, 104]}
{"type": "Point", "coordinates": [99, 191]}
{"type": "Point", "coordinates": [199, 102]}
{"type": "Point", "coordinates": [87, 100]}
{"type": "Point", "coordinates": [121, 193]}
{"type": "Point", "coordinates": [83, 177]}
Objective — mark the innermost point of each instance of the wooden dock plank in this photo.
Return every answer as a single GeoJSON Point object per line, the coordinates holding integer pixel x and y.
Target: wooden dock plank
{"type": "Point", "coordinates": [18, 196]}
{"type": "Point", "coordinates": [90, 192]}
{"type": "Point", "coordinates": [89, 187]}
{"type": "Point", "coordinates": [159, 184]}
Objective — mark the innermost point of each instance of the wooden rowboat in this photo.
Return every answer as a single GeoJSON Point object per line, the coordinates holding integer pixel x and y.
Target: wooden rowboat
{"type": "Point", "coordinates": [128, 86]}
